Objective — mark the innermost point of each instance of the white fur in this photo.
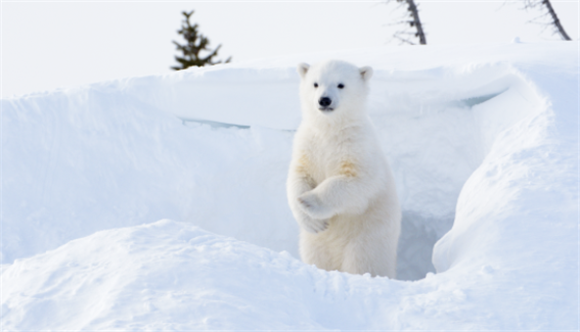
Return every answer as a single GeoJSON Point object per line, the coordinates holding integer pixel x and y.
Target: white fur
{"type": "Point", "coordinates": [340, 187]}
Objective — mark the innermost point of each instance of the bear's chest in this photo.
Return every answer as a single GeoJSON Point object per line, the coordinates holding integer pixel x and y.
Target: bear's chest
{"type": "Point", "coordinates": [325, 158]}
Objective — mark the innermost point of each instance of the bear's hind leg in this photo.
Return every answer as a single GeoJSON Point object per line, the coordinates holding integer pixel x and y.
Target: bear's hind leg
{"type": "Point", "coordinates": [368, 257]}
{"type": "Point", "coordinates": [356, 261]}
{"type": "Point", "coordinates": [314, 251]}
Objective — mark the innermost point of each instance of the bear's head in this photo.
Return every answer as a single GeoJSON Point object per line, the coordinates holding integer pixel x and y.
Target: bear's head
{"type": "Point", "coordinates": [333, 89]}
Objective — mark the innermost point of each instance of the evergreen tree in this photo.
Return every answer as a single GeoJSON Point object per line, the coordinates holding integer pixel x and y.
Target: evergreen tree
{"type": "Point", "coordinates": [195, 43]}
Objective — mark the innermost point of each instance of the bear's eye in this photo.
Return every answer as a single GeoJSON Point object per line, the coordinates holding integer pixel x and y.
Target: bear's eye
{"type": "Point", "coordinates": [316, 85]}
{"type": "Point", "coordinates": [340, 86]}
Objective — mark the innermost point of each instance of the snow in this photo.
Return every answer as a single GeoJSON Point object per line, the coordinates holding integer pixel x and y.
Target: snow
{"type": "Point", "coordinates": [482, 140]}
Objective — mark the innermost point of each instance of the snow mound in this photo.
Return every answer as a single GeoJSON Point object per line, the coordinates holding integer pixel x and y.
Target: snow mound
{"type": "Point", "coordinates": [165, 275]}
{"type": "Point", "coordinates": [483, 142]}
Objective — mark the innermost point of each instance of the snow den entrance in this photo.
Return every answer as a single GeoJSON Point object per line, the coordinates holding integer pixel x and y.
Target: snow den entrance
{"type": "Point", "coordinates": [439, 126]}
{"type": "Point", "coordinates": [436, 127]}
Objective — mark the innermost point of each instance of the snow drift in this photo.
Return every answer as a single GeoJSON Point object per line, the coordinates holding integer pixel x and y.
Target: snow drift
{"type": "Point", "coordinates": [483, 142]}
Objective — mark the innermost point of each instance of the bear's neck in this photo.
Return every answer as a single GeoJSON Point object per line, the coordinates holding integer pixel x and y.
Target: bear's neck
{"type": "Point", "coordinates": [335, 124]}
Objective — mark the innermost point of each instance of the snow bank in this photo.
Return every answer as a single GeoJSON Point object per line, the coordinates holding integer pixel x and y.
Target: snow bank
{"type": "Point", "coordinates": [170, 275]}
{"type": "Point", "coordinates": [483, 141]}
{"type": "Point", "coordinates": [77, 162]}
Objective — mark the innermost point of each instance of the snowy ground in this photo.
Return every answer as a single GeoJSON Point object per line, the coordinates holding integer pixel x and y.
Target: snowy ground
{"type": "Point", "coordinates": [483, 142]}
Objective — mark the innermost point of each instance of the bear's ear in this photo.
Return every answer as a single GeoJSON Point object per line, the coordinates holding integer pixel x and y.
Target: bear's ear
{"type": "Point", "coordinates": [302, 69]}
{"type": "Point", "coordinates": [366, 72]}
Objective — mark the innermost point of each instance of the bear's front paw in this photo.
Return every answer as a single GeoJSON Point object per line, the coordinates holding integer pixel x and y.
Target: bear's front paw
{"type": "Point", "coordinates": [311, 204]}
{"type": "Point", "coordinates": [312, 225]}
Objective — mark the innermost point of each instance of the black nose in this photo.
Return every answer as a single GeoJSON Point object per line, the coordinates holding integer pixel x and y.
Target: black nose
{"type": "Point", "coordinates": [324, 101]}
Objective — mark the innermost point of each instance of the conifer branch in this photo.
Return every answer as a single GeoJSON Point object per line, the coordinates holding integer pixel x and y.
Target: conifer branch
{"type": "Point", "coordinates": [195, 44]}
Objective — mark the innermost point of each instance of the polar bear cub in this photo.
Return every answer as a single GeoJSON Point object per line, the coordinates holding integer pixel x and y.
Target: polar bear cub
{"type": "Point", "coordinates": [340, 187]}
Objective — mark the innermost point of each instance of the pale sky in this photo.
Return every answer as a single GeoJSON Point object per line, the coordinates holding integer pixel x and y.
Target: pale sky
{"type": "Point", "coordinates": [48, 44]}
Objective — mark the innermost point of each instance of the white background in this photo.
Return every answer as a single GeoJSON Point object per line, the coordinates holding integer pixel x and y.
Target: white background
{"type": "Point", "coordinates": [48, 45]}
